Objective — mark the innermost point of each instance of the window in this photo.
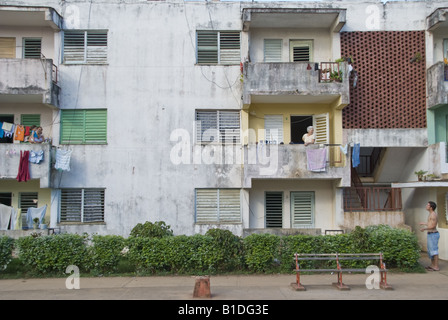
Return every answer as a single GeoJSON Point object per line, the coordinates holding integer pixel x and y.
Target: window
{"type": "Point", "coordinates": [302, 209]}
{"type": "Point", "coordinates": [301, 50]}
{"type": "Point", "coordinates": [218, 47]}
{"type": "Point", "coordinates": [218, 206]}
{"type": "Point", "coordinates": [85, 47]}
{"type": "Point", "coordinates": [30, 119]}
{"type": "Point", "coordinates": [82, 205]}
{"type": "Point", "coordinates": [218, 126]}
{"type": "Point", "coordinates": [272, 50]}
{"type": "Point", "coordinates": [321, 128]}
{"type": "Point", "coordinates": [274, 209]}
{"type": "Point", "coordinates": [273, 125]}
{"type": "Point", "coordinates": [84, 126]}
{"type": "Point", "coordinates": [7, 47]}
{"type": "Point", "coordinates": [32, 48]}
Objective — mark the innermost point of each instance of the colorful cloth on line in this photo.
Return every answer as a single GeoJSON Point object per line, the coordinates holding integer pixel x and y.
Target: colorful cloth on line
{"type": "Point", "coordinates": [316, 159]}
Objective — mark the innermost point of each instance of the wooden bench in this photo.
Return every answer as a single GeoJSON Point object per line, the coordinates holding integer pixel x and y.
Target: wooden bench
{"type": "Point", "coordinates": [339, 270]}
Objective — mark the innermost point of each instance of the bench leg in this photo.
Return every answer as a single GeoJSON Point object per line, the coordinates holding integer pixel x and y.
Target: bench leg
{"type": "Point", "coordinates": [383, 283]}
{"type": "Point", "coordinates": [340, 285]}
{"type": "Point", "coordinates": [297, 286]}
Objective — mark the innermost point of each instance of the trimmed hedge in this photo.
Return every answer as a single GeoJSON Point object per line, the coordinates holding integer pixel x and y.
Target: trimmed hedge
{"type": "Point", "coordinates": [217, 251]}
{"type": "Point", "coordinates": [6, 247]}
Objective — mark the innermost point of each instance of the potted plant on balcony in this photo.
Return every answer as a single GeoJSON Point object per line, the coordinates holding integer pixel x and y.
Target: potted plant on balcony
{"type": "Point", "coordinates": [336, 76]}
{"type": "Point", "coordinates": [420, 174]}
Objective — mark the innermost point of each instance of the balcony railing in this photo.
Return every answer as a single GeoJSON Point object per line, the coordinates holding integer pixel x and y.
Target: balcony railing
{"type": "Point", "coordinates": [25, 80]}
{"type": "Point", "coordinates": [372, 199]}
{"type": "Point", "coordinates": [289, 80]}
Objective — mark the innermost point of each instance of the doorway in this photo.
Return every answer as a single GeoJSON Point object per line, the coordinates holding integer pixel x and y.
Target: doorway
{"type": "Point", "coordinates": [298, 127]}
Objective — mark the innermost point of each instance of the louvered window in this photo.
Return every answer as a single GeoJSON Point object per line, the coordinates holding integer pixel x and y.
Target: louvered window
{"type": "Point", "coordinates": [218, 47]}
{"type": "Point", "coordinates": [30, 120]}
{"type": "Point", "coordinates": [84, 126]}
{"type": "Point", "coordinates": [272, 50]}
{"type": "Point", "coordinates": [218, 206]}
{"type": "Point", "coordinates": [32, 48]}
{"type": "Point", "coordinates": [273, 125]}
{"type": "Point", "coordinates": [7, 47]}
{"type": "Point", "coordinates": [321, 128]}
{"type": "Point", "coordinates": [218, 126]}
{"type": "Point", "coordinates": [274, 209]}
{"type": "Point", "coordinates": [85, 47]}
{"type": "Point", "coordinates": [82, 205]}
{"type": "Point", "coordinates": [301, 50]}
{"type": "Point", "coordinates": [302, 209]}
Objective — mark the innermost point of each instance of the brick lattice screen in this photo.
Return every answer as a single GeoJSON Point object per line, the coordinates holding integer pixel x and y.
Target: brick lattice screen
{"type": "Point", "coordinates": [391, 88]}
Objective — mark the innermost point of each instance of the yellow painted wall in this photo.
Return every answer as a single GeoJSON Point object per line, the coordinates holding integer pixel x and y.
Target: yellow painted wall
{"type": "Point", "coordinates": [258, 111]}
{"type": "Point", "coordinates": [15, 187]}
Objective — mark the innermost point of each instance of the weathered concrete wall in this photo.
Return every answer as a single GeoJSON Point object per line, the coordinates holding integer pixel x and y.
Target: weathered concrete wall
{"type": "Point", "coordinates": [366, 218]}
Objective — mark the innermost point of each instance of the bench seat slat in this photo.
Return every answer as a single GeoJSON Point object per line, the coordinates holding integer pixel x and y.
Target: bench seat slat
{"type": "Point", "coordinates": [336, 270]}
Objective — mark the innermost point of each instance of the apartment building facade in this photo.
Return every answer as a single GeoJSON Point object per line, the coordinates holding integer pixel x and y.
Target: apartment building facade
{"type": "Point", "coordinates": [193, 113]}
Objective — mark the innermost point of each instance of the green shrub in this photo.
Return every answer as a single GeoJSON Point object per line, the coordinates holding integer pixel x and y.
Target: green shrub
{"type": "Point", "coordinates": [6, 247]}
{"type": "Point", "coordinates": [106, 252]}
{"type": "Point", "coordinates": [53, 254]}
{"type": "Point", "coordinates": [157, 229]}
{"type": "Point", "coordinates": [227, 250]}
{"type": "Point", "coordinates": [262, 252]}
{"type": "Point", "coordinates": [399, 246]}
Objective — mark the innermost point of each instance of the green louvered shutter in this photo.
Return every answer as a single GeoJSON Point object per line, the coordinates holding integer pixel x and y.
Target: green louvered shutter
{"type": "Point", "coordinates": [95, 127]}
{"type": "Point", "coordinates": [84, 126]}
{"type": "Point", "coordinates": [72, 126]}
{"type": "Point", "coordinates": [30, 120]}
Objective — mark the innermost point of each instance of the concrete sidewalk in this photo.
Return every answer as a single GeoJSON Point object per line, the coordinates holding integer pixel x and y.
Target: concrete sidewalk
{"type": "Point", "coordinates": [429, 285]}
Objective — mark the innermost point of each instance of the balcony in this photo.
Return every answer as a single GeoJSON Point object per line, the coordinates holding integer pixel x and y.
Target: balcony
{"type": "Point", "coordinates": [296, 82]}
{"type": "Point", "coordinates": [9, 162]}
{"type": "Point", "coordinates": [265, 161]}
{"type": "Point", "coordinates": [29, 81]}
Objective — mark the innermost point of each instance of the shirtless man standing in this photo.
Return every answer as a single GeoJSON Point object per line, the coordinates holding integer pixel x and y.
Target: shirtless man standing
{"type": "Point", "coordinates": [432, 236]}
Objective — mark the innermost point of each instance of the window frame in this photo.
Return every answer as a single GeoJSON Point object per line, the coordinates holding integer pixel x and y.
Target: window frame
{"type": "Point", "coordinates": [82, 205]}
{"type": "Point", "coordinates": [219, 44]}
{"type": "Point", "coordinates": [81, 136]}
{"type": "Point", "coordinates": [26, 47]}
{"type": "Point", "coordinates": [222, 127]}
{"type": "Point", "coordinates": [87, 58]}
{"type": "Point", "coordinates": [221, 208]}
{"type": "Point", "coordinates": [312, 204]}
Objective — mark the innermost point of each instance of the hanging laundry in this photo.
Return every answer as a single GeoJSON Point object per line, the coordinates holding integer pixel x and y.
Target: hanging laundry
{"type": "Point", "coordinates": [8, 133]}
{"type": "Point", "coordinates": [33, 213]}
{"type": "Point", "coordinates": [7, 126]}
{"type": "Point", "coordinates": [1, 130]}
{"type": "Point", "coordinates": [355, 155]}
{"type": "Point", "coordinates": [24, 167]}
{"type": "Point", "coordinates": [344, 149]}
{"type": "Point", "coordinates": [36, 156]}
{"type": "Point", "coordinates": [19, 133]}
{"type": "Point", "coordinates": [5, 216]}
{"type": "Point", "coordinates": [63, 159]}
{"type": "Point", "coordinates": [316, 159]}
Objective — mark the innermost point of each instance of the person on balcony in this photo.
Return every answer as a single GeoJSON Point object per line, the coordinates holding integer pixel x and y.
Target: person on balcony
{"type": "Point", "coordinates": [38, 136]}
{"type": "Point", "coordinates": [308, 137]}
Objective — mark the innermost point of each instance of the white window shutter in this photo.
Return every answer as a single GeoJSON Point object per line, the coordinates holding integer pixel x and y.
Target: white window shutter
{"type": "Point", "coordinates": [273, 125]}
{"type": "Point", "coordinates": [302, 208]}
{"type": "Point", "coordinates": [272, 50]}
{"type": "Point", "coordinates": [96, 47]}
{"type": "Point", "coordinates": [229, 45]}
{"type": "Point", "coordinates": [74, 46]}
{"type": "Point", "coordinates": [206, 205]}
{"type": "Point", "coordinates": [321, 128]}
{"type": "Point", "coordinates": [206, 126]}
{"type": "Point", "coordinates": [229, 126]}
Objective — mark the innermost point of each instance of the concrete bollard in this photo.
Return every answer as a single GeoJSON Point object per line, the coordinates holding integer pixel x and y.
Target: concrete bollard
{"type": "Point", "coordinates": [202, 287]}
